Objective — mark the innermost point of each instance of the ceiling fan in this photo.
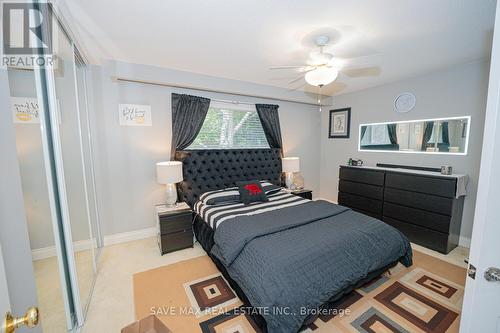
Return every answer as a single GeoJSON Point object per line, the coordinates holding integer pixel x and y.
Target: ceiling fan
{"type": "Point", "coordinates": [323, 68]}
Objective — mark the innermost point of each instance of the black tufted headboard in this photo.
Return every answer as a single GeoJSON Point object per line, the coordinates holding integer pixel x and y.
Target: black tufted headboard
{"type": "Point", "coordinates": [213, 169]}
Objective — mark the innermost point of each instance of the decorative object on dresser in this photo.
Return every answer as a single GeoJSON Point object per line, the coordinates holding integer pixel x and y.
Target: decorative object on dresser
{"type": "Point", "coordinates": [355, 162]}
{"type": "Point", "coordinates": [339, 124]}
{"type": "Point", "coordinates": [290, 165]}
{"type": "Point", "coordinates": [169, 173]}
{"type": "Point", "coordinates": [174, 227]}
{"type": "Point", "coordinates": [306, 194]}
{"type": "Point", "coordinates": [425, 206]}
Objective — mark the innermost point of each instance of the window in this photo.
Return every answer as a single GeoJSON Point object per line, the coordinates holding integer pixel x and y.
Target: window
{"type": "Point", "coordinates": [230, 126]}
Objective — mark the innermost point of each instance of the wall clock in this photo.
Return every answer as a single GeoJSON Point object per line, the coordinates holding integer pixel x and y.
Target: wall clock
{"type": "Point", "coordinates": [405, 102]}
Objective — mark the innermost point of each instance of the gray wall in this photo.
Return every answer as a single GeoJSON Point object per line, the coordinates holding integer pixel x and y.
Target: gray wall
{"type": "Point", "coordinates": [126, 156]}
{"type": "Point", "coordinates": [456, 91]}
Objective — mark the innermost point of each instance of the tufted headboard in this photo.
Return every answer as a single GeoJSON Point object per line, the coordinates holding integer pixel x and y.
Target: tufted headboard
{"type": "Point", "coordinates": [213, 169]}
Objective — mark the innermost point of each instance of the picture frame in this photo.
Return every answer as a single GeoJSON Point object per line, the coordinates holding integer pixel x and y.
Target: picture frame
{"type": "Point", "coordinates": [339, 124]}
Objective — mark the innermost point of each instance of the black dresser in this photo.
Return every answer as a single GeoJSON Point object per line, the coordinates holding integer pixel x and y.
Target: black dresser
{"type": "Point", "coordinates": [422, 206]}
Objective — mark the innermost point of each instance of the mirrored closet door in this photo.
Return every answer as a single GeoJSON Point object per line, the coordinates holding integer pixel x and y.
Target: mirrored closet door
{"type": "Point", "coordinates": [54, 144]}
{"type": "Point", "coordinates": [69, 95]}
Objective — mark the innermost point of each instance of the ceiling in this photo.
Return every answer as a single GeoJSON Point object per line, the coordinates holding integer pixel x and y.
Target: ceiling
{"type": "Point", "coordinates": [240, 40]}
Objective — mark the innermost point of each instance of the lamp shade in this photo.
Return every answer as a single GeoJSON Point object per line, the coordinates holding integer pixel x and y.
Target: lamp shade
{"type": "Point", "coordinates": [169, 172]}
{"type": "Point", "coordinates": [290, 164]}
{"type": "Point", "coordinates": [321, 76]}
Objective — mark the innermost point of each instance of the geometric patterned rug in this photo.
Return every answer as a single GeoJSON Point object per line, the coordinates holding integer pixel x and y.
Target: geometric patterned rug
{"type": "Point", "coordinates": [192, 296]}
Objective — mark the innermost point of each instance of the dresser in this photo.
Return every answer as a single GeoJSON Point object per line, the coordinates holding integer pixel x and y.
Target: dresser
{"type": "Point", "coordinates": [422, 205]}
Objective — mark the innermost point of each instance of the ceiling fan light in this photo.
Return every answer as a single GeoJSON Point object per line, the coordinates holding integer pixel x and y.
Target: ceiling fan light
{"type": "Point", "coordinates": [321, 76]}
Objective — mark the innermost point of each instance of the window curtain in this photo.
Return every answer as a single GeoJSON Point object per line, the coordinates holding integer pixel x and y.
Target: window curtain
{"type": "Point", "coordinates": [446, 133]}
{"type": "Point", "coordinates": [188, 115]}
{"type": "Point", "coordinates": [428, 126]}
{"type": "Point", "coordinates": [363, 132]}
{"type": "Point", "coordinates": [393, 136]}
{"type": "Point", "coordinates": [269, 118]}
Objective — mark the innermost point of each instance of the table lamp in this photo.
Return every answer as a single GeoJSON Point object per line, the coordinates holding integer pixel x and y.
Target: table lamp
{"type": "Point", "coordinates": [169, 173]}
{"type": "Point", "coordinates": [290, 165]}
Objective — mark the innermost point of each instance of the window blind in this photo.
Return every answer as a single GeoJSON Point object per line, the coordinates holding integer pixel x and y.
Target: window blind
{"type": "Point", "coordinates": [226, 128]}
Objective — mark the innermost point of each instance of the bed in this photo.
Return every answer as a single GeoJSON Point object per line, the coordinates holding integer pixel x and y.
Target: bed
{"type": "Point", "coordinates": [291, 260]}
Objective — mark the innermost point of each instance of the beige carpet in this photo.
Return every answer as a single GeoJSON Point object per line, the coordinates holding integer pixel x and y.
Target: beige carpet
{"type": "Point", "coordinates": [192, 296]}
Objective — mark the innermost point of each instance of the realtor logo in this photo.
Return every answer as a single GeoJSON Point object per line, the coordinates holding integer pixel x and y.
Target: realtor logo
{"type": "Point", "coordinates": [22, 29]}
{"type": "Point", "coordinates": [27, 34]}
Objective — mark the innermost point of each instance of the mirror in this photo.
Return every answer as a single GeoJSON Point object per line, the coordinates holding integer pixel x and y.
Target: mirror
{"type": "Point", "coordinates": [431, 136]}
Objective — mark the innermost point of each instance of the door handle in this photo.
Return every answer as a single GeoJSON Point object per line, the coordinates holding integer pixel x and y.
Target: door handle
{"type": "Point", "coordinates": [492, 274]}
{"type": "Point", "coordinates": [30, 319]}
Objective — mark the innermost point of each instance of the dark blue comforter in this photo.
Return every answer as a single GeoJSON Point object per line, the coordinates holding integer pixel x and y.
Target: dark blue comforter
{"type": "Point", "coordinates": [293, 260]}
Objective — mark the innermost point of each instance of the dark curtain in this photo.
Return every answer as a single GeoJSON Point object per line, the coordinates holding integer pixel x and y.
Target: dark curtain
{"type": "Point", "coordinates": [188, 115]}
{"type": "Point", "coordinates": [363, 131]}
{"type": "Point", "coordinates": [391, 128]}
{"type": "Point", "coordinates": [446, 134]}
{"type": "Point", "coordinates": [428, 126]}
{"type": "Point", "coordinates": [269, 118]}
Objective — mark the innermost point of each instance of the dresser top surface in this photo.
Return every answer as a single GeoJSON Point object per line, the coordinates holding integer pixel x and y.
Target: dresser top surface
{"type": "Point", "coordinates": [410, 171]}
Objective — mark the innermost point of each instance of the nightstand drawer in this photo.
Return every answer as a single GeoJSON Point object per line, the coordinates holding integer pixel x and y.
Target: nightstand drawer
{"type": "Point", "coordinates": [176, 241]}
{"type": "Point", "coordinates": [175, 222]}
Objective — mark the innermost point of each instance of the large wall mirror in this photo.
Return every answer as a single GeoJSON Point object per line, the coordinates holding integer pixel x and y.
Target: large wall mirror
{"type": "Point", "coordinates": [431, 136]}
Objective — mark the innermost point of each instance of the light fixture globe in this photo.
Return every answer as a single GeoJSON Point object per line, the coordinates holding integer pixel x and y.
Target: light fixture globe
{"type": "Point", "coordinates": [321, 76]}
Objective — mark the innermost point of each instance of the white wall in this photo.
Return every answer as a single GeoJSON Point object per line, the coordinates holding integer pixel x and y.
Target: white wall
{"type": "Point", "coordinates": [457, 91]}
{"type": "Point", "coordinates": [126, 156]}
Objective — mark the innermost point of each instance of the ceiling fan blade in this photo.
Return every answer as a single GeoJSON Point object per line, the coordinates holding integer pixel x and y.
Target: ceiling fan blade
{"type": "Point", "coordinates": [362, 72]}
{"type": "Point", "coordinates": [287, 67]}
{"type": "Point", "coordinates": [297, 79]}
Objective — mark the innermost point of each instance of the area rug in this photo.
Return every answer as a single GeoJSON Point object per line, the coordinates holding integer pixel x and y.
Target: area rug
{"type": "Point", "coordinates": [192, 296]}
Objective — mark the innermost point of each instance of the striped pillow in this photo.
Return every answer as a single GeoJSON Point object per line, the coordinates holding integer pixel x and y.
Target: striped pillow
{"type": "Point", "coordinates": [231, 195]}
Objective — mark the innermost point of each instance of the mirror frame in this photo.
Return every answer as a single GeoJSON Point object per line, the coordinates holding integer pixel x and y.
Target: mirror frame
{"type": "Point", "coordinates": [416, 151]}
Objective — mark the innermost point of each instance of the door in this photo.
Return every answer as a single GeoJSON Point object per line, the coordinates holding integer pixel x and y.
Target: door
{"type": "Point", "coordinates": [17, 280]}
{"type": "Point", "coordinates": [30, 318]}
{"type": "Point", "coordinates": [481, 309]}
{"type": "Point", "coordinates": [4, 292]}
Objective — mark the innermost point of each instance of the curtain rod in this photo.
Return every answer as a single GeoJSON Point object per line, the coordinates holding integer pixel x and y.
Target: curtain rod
{"type": "Point", "coordinates": [175, 85]}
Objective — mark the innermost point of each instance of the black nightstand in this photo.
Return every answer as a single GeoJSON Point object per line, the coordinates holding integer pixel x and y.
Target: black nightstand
{"type": "Point", "coordinates": [175, 231]}
{"type": "Point", "coordinates": [306, 194]}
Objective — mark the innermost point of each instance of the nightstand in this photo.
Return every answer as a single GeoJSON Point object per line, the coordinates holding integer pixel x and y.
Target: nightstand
{"type": "Point", "coordinates": [174, 225]}
{"type": "Point", "coordinates": [306, 194]}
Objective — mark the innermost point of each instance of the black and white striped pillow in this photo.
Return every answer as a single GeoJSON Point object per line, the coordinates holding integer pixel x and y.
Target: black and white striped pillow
{"type": "Point", "coordinates": [231, 195]}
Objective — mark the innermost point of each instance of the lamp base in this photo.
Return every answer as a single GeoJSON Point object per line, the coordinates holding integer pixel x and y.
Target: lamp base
{"type": "Point", "coordinates": [171, 192]}
{"type": "Point", "coordinates": [288, 179]}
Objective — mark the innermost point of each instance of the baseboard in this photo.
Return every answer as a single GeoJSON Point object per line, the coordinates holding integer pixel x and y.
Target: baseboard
{"type": "Point", "coordinates": [129, 236]}
{"type": "Point", "coordinates": [50, 251]}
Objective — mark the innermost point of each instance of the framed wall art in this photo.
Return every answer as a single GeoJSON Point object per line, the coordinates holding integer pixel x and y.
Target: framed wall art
{"type": "Point", "coordinates": [339, 125]}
